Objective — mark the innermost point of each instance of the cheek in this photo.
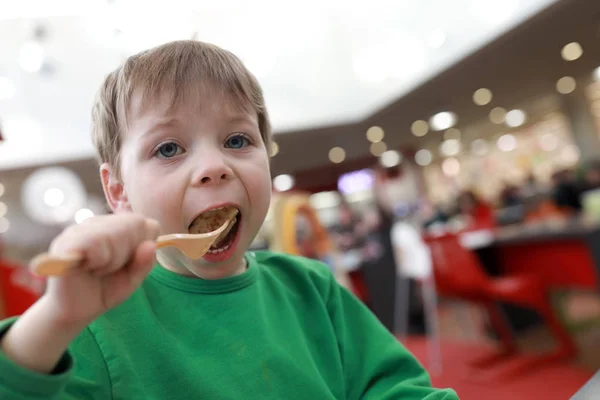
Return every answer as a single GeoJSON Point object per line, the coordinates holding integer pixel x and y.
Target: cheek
{"type": "Point", "coordinates": [151, 197]}
{"type": "Point", "coordinates": [258, 185]}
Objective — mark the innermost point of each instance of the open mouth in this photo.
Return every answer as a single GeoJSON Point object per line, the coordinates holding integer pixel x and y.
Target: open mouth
{"type": "Point", "coordinates": [211, 220]}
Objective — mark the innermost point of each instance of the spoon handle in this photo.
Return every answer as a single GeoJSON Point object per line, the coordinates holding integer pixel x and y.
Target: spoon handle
{"type": "Point", "coordinates": [160, 243]}
{"type": "Point", "coordinates": [47, 265]}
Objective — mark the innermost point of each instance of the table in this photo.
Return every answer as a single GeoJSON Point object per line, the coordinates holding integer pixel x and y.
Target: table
{"type": "Point", "coordinates": [565, 254]}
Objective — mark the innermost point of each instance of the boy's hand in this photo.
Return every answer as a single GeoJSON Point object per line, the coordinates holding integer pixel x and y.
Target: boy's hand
{"type": "Point", "coordinates": [118, 252]}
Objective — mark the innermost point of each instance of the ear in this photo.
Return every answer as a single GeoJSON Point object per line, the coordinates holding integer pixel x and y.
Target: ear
{"type": "Point", "coordinates": [114, 190]}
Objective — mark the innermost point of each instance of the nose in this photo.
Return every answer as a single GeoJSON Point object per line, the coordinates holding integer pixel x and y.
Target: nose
{"type": "Point", "coordinates": [211, 169]}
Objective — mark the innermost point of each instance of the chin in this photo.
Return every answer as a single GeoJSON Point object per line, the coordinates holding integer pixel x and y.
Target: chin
{"type": "Point", "coordinates": [211, 266]}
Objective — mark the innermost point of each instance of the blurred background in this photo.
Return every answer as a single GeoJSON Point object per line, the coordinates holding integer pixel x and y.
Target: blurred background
{"type": "Point", "coordinates": [401, 128]}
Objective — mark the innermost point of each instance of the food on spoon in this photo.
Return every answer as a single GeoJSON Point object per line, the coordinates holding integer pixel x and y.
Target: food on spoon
{"type": "Point", "coordinates": [213, 219]}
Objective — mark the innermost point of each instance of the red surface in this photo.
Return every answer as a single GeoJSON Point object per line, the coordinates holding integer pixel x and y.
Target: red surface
{"type": "Point", "coordinates": [549, 381]}
{"type": "Point", "coordinates": [15, 299]}
{"type": "Point", "coordinates": [558, 263]}
{"type": "Point", "coordinates": [482, 218]}
{"type": "Point", "coordinates": [359, 287]}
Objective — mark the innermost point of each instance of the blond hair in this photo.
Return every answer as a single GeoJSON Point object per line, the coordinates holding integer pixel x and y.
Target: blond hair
{"type": "Point", "coordinates": [177, 68]}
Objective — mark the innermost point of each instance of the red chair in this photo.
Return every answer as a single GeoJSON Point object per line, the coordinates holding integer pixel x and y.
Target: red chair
{"type": "Point", "coordinates": [458, 273]}
{"type": "Point", "coordinates": [14, 298]}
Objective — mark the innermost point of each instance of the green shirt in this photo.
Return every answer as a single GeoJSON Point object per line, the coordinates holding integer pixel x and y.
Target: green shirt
{"type": "Point", "coordinates": [284, 329]}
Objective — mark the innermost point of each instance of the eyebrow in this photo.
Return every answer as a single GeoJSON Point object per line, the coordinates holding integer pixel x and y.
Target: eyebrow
{"type": "Point", "coordinates": [173, 122]}
{"type": "Point", "coordinates": [241, 118]}
{"type": "Point", "coordinates": [163, 123]}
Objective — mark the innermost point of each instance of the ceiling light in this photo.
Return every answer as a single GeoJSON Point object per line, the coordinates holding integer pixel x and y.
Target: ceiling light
{"type": "Point", "coordinates": [450, 147]}
{"type": "Point", "coordinates": [482, 96]}
{"type": "Point", "coordinates": [323, 200]}
{"type": "Point", "coordinates": [7, 88]}
{"type": "Point", "coordinates": [4, 225]}
{"type": "Point", "coordinates": [419, 128]}
{"type": "Point", "coordinates": [566, 85]}
{"type": "Point", "coordinates": [375, 134]}
{"type": "Point", "coordinates": [54, 197]}
{"type": "Point", "coordinates": [515, 118]}
{"type": "Point", "coordinates": [479, 147]}
{"type": "Point", "coordinates": [390, 158]}
{"type": "Point", "coordinates": [2, 189]}
{"type": "Point", "coordinates": [451, 167]}
{"type": "Point", "coordinates": [282, 183]}
{"type": "Point", "coordinates": [570, 155]}
{"type": "Point", "coordinates": [571, 51]}
{"type": "Point", "coordinates": [443, 120]}
{"type": "Point", "coordinates": [436, 39]}
{"type": "Point", "coordinates": [452, 133]}
{"type": "Point", "coordinates": [337, 155]}
{"type": "Point", "coordinates": [548, 142]}
{"type": "Point", "coordinates": [31, 56]}
{"type": "Point", "coordinates": [507, 142]}
{"type": "Point", "coordinates": [497, 115]}
{"type": "Point", "coordinates": [378, 148]}
{"type": "Point", "coordinates": [274, 149]}
{"type": "Point", "coordinates": [83, 214]}
{"type": "Point", "coordinates": [356, 181]}
{"type": "Point", "coordinates": [423, 157]}
{"type": "Point", "coordinates": [597, 74]}
{"type": "Point", "coordinates": [3, 209]}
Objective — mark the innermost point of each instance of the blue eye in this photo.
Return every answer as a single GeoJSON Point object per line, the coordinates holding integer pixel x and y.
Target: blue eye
{"type": "Point", "coordinates": [237, 141]}
{"type": "Point", "coordinates": [168, 150]}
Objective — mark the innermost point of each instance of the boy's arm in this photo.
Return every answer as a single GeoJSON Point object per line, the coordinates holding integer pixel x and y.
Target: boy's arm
{"type": "Point", "coordinates": [86, 377]}
{"type": "Point", "coordinates": [376, 365]}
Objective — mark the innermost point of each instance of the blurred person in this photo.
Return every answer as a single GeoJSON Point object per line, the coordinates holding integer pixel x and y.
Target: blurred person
{"type": "Point", "coordinates": [591, 176]}
{"type": "Point", "coordinates": [379, 266]}
{"type": "Point", "coordinates": [182, 131]}
{"type": "Point", "coordinates": [433, 215]}
{"type": "Point", "coordinates": [530, 187]}
{"type": "Point", "coordinates": [348, 236]}
{"type": "Point", "coordinates": [478, 213]}
{"type": "Point", "coordinates": [306, 238]}
{"type": "Point", "coordinates": [565, 192]}
{"type": "Point", "coordinates": [510, 196]}
{"type": "Point", "coordinates": [544, 208]}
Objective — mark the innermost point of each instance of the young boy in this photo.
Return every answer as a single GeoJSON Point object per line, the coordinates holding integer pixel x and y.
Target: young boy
{"type": "Point", "coordinates": [183, 132]}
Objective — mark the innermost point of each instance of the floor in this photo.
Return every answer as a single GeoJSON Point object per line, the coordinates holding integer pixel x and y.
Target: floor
{"type": "Point", "coordinates": [547, 382]}
{"type": "Point", "coordinates": [463, 337]}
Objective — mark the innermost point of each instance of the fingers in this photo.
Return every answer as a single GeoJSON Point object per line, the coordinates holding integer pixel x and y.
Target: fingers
{"type": "Point", "coordinates": [106, 243]}
{"type": "Point", "coordinates": [127, 279]}
{"type": "Point", "coordinates": [142, 263]}
{"type": "Point", "coordinates": [152, 229]}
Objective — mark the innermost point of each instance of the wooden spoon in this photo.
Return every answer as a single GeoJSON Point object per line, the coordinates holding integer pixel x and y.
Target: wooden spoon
{"type": "Point", "coordinates": [193, 246]}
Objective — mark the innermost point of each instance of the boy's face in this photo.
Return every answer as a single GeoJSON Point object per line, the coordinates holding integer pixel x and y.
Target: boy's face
{"type": "Point", "coordinates": [202, 154]}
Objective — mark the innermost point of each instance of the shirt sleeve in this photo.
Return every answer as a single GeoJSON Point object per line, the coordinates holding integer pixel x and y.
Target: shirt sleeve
{"type": "Point", "coordinates": [75, 377]}
{"type": "Point", "coordinates": [376, 365]}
